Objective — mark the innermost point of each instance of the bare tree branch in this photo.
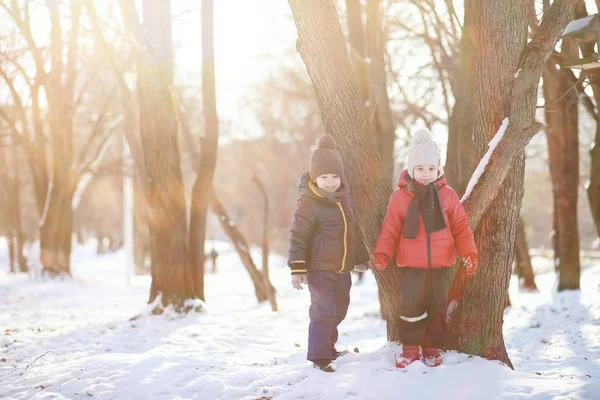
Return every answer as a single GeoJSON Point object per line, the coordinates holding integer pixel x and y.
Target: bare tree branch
{"type": "Point", "coordinates": [97, 128]}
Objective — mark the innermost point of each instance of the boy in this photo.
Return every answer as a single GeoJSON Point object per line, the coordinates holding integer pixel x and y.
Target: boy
{"type": "Point", "coordinates": [325, 244]}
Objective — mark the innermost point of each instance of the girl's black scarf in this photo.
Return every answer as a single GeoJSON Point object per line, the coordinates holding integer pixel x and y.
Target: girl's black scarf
{"type": "Point", "coordinates": [426, 203]}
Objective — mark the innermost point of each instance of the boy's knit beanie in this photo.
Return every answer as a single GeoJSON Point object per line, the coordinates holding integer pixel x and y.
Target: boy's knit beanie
{"type": "Point", "coordinates": [326, 159]}
{"type": "Point", "coordinates": [423, 150]}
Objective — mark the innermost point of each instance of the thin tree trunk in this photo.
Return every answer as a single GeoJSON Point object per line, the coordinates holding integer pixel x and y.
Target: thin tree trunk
{"type": "Point", "coordinates": [141, 233]}
{"type": "Point", "coordinates": [5, 223]}
{"type": "Point", "coordinates": [165, 197]}
{"type": "Point", "coordinates": [11, 253]}
{"type": "Point", "coordinates": [523, 262]}
{"type": "Point", "coordinates": [12, 209]}
{"type": "Point", "coordinates": [593, 187]}
{"type": "Point", "coordinates": [265, 245]}
{"type": "Point", "coordinates": [15, 200]}
{"type": "Point", "coordinates": [384, 126]}
{"type": "Point", "coordinates": [358, 49]}
{"type": "Point", "coordinates": [563, 150]}
{"type": "Point", "coordinates": [459, 155]}
{"type": "Point", "coordinates": [241, 247]}
{"type": "Point", "coordinates": [201, 190]}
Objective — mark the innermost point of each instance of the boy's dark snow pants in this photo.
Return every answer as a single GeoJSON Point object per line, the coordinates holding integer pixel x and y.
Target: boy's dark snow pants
{"type": "Point", "coordinates": [424, 294]}
{"type": "Point", "coordinates": [329, 299]}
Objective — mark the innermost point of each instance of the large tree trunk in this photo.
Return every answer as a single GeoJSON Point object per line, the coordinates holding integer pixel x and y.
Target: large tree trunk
{"type": "Point", "coordinates": [322, 48]}
{"type": "Point", "coordinates": [563, 159]}
{"type": "Point", "coordinates": [476, 311]}
{"type": "Point", "coordinates": [164, 189]}
{"type": "Point", "coordinates": [56, 226]}
{"type": "Point", "coordinates": [459, 155]}
{"type": "Point", "coordinates": [523, 260]}
{"type": "Point", "coordinates": [475, 323]}
{"type": "Point", "coordinates": [201, 191]}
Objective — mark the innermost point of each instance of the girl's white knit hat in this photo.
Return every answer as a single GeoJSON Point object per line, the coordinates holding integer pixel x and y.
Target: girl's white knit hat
{"type": "Point", "coordinates": [423, 151]}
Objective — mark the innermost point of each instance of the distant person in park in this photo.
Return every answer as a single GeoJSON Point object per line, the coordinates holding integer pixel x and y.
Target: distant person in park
{"type": "Point", "coordinates": [424, 225]}
{"type": "Point", "coordinates": [325, 244]}
{"type": "Point", "coordinates": [213, 256]}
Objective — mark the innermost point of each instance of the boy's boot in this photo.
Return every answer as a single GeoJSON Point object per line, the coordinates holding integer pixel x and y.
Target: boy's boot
{"type": "Point", "coordinates": [324, 365]}
{"type": "Point", "coordinates": [432, 357]}
{"type": "Point", "coordinates": [338, 354]}
{"type": "Point", "coordinates": [410, 354]}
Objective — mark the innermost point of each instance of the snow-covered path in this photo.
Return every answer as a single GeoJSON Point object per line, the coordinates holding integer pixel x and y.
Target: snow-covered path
{"type": "Point", "coordinates": [76, 339]}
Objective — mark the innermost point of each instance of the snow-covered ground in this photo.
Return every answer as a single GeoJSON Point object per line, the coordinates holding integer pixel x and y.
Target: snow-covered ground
{"type": "Point", "coordinates": [77, 339]}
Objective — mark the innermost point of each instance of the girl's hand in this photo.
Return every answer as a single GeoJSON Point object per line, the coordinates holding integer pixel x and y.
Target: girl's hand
{"type": "Point", "coordinates": [470, 262]}
{"type": "Point", "coordinates": [362, 267]}
{"type": "Point", "coordinates": [381, 261]}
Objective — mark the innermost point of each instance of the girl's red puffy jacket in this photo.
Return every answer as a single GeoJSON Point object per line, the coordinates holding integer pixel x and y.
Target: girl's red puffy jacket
{"type": "Point", "coordinates": [413, 252]}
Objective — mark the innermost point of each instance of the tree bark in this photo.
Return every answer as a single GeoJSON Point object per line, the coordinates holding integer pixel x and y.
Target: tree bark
{"type": "Point", "coordinates": [562, 130]}
{"type": "Point", "coordinates": [322, 48]}
{"type": "Point", "coordinates": [201, 191]}
{"type": "Point", "coordinates": [459, 155]}
{"type": "Point", "coordinates": [523, 262]}
{"type": "Point", "coordinates": [167, 219]}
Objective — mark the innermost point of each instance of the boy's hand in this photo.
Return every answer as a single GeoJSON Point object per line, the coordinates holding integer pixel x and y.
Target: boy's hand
{"type": "Point", "coordinates": [470, 262]}
{"type": "Point", "coordinates": [298, 280]}
{"type": "Point", "coordinates": [362, 267]}
{"type": "Point", "coordinates": [381, 261]}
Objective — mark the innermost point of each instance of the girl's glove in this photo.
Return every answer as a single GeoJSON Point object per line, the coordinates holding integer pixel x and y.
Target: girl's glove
{"type": "Point", "coordinates": [298, 280]}
{"type": "Point", "coordinates": [470, 262]}
{"type": "Point", "coordinates": [381, 261]}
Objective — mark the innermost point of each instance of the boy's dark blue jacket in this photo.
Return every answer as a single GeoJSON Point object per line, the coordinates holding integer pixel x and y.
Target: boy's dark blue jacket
{"type": "Point", "coordinates": [325, 235]}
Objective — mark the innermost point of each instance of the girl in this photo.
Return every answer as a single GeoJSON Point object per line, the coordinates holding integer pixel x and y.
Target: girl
{"type": "Point", "coordinates": [425, 223]}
